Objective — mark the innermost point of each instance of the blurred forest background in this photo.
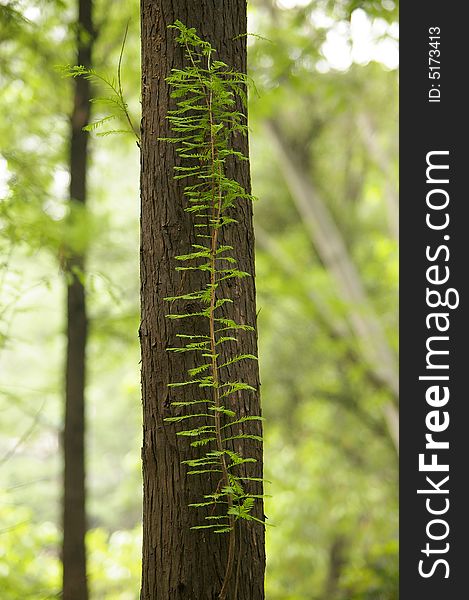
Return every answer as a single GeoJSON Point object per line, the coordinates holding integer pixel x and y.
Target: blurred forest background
{"type": "Point", "coordinates": [324, 165]}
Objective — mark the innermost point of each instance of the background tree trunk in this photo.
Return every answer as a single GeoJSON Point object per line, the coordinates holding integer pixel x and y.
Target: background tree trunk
{"type": "Point", "coordinates": [179, 563]}
{"type": "Point", "coordinates": [74, 510]}
{"type": "Point", "coordinates": [331, 247]}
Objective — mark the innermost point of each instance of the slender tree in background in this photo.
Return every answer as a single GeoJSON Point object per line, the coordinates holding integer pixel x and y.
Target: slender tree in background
{"type": "Point", "coordinates": [74, 505]}
{"type": "Point", "coordinates": [373, 347]}
{"type": "Point", "coordinates": [179, 563]}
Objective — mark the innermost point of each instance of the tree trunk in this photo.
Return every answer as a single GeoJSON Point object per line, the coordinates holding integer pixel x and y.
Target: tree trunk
{"type": "Point", "coordinates": [336, 564]}
{"type": "Point", "coordinates": [179, 563]}
{"type": "Point", "coordinates": [74, 511]}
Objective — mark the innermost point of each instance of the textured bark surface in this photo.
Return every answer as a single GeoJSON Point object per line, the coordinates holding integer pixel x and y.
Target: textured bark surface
{"type": "Point", "coordinates": [179, 563]}
{"type": "Point", "coordinates": [74, 511]}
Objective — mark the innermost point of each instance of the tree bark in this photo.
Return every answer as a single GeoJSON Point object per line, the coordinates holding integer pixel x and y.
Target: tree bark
{"type": "Point", "coordinates": [179, 563]}
{"type": "Point", "coordinates": [74, 509]}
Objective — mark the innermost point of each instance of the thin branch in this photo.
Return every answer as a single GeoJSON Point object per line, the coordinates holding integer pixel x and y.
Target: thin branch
{"type": "Point", "coordinates": [23, 438]}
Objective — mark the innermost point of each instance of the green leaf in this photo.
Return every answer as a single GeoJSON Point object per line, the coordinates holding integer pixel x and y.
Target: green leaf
{"type": "Point", "coordinates": [202, 442]}
{"type": "Point", "coordinates": [99, 123]}
{"type": "Point", "coordinates": [204, 471]}
{"type": "Point", "coordinates": [222, 409]}
{"type": "Point", "coordinates": [224, 530]}
{"type": "Point", "coordinates": [236, 387]}
{"type": "Point", "coordinates": [200, 369]}
{"type": "Point", "coordinates": [213, 526]}
{"type": "Point", "coordinates": [183, 417]}
{"type": "Point", "coordinates": [243, 420]}
{"type": "Point", "coordinates": [244, 436]}
{"type": "Point", "coordinates": [242, 461]}
{"type": "Point", "coordinates": [192, 255]}
{"type": "Point", "coordinates": [197, 431]}
{"type": "Point", "coordinates": [238, 358]}
{"type": "Point", "coordinates": [261, 479]}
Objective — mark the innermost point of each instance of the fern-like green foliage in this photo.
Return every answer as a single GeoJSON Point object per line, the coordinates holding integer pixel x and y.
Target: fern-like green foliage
{"type": "Point", "coordinates": [204, 123]}
{"type": "Point", "coordinates": [114, 102]}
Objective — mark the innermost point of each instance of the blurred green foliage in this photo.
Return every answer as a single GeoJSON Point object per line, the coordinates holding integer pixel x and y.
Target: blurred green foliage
{"type": "Point", "coordinates": [328, 453]}
{"type": "Point", "coordinates": [30, 567]}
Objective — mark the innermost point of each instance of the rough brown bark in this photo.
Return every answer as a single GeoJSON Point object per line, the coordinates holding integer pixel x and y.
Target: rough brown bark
{"type": "Point", "coordinates": [179, 563]}
{"type": "Point", "coordinates": [74, 509]}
